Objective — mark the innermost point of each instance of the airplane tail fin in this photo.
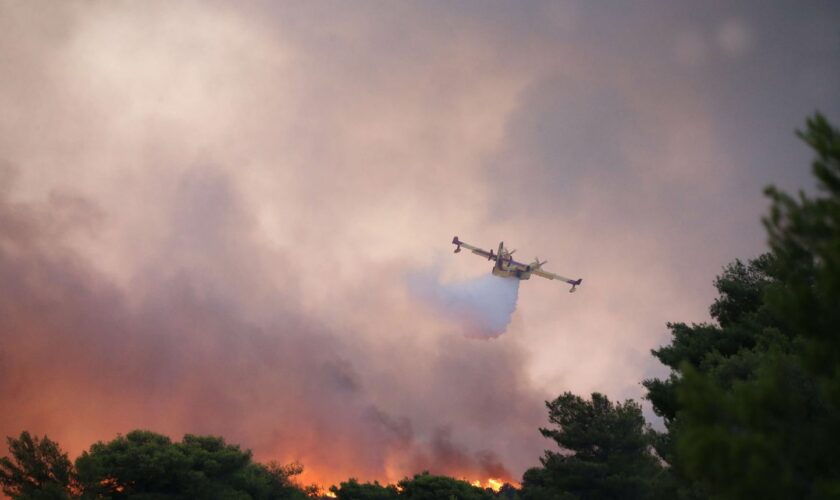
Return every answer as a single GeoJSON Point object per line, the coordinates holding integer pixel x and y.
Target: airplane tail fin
{"type": "Point", "coordinates": [574, 284]}
{"type": "Point", "coordinates": [457, 243]}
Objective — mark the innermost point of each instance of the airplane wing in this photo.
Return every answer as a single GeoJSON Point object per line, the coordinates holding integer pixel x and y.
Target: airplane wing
{"type": "Point", "coordinates": [552, 276]}
{"type": "Point", "coordinates": [478, 251]}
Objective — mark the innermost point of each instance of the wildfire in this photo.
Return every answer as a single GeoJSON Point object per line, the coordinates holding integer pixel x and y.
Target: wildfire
{"type": "Point", "coordinates": [317, 484]}
{"type": "Point", "coordinates": [493, 483]}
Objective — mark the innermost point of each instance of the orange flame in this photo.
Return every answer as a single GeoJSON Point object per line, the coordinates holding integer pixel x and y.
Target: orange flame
{"type": "Point", "coordinates": [493, 483]}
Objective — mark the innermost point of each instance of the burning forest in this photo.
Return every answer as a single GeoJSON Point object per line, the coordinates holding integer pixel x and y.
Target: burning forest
{"type": "Point", "coordinates": [225, 233]}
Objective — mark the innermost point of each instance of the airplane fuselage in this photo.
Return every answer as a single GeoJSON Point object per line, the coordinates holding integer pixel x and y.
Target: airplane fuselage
{"type": "Point", "coordinates": [505, 267]}
{"type": "Point", "coordinates": [511, 273]}
{"type": "Point", "coordinates": [507, 270]}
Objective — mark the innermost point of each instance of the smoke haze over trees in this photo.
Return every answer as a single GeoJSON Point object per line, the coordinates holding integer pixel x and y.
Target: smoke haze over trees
{"type": "Point", "coordinates": [143, 465]}
{"type": "Point", "coordinates": [211, 214]}
{"type": "Point", "coordinates": [203, 355]}
{"type": "Point", "coordinates": [751, 406]}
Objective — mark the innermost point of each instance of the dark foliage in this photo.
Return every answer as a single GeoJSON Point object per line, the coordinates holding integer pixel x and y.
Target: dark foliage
{"type": "Point", "coordinates": [605, 452]}
{"type": "Point", "coordinates": [753, 403]}
{"type": "Point", "coordinates": [143, 464]}
{"type": "Point", "coordinates": [426, 486]}
{"type": "Point", "coordinates": [353, 490]}
{"type": "Point", "coordinates": [37, 469]}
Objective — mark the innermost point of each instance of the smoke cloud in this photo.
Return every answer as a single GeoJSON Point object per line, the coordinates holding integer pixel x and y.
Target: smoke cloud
{"type": "Point", "coordinates": [222, 216]}
{"type": "Point", "coordinates": [482, 307]}
{"type": "Point", "coordinates": [193, 347]}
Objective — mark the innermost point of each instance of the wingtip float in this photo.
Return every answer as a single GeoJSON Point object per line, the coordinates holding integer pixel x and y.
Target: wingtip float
{"type": "Point", "coordinates": [506, 267]}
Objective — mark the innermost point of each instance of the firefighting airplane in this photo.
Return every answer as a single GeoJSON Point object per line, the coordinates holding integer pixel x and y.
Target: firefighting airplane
{"type": "Point", "coordinates": [506, 267]}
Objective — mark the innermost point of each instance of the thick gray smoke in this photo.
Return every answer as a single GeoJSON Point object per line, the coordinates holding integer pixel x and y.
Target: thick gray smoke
{"type": "Point", "coordinates": [203, 343]}
{"type": "Point", "coordinates": [482, 306]}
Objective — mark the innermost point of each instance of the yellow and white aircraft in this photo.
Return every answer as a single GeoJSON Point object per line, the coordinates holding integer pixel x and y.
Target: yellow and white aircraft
{"type": "Point", "coordinates": [506, 267]}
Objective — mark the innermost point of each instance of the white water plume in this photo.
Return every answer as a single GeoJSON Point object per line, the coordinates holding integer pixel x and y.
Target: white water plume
{"type": "Point", "coordinates": [483, 306]}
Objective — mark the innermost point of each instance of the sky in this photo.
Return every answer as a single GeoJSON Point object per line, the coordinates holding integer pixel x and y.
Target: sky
{"type": "Point", "coordinates": [214, 216]}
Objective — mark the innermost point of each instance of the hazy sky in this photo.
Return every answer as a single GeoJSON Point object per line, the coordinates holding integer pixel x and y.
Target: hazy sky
{"type": "Point", "coordinates": [211, 213]}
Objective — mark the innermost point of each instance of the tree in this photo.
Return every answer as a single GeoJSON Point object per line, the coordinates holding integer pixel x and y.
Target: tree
{"type": "Point", "coordinates": [143, 464]}
{"type": "Point", "coordinates": [604, 452]}
{"type": "Point", "coordinates": [727, 352]}
{"type": "Point", "coordinates": [353, 490]}
{"type": "Point", "coordinates": [804, 236]}
{"type": "Point", "coordinates": [507, 491]}
{"type": "Point", "coordinates": [429, 487]}
{"type": "Point", "coordinates": [753, 403]}
{"type": "Point", "coordinates": [38, 470]}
